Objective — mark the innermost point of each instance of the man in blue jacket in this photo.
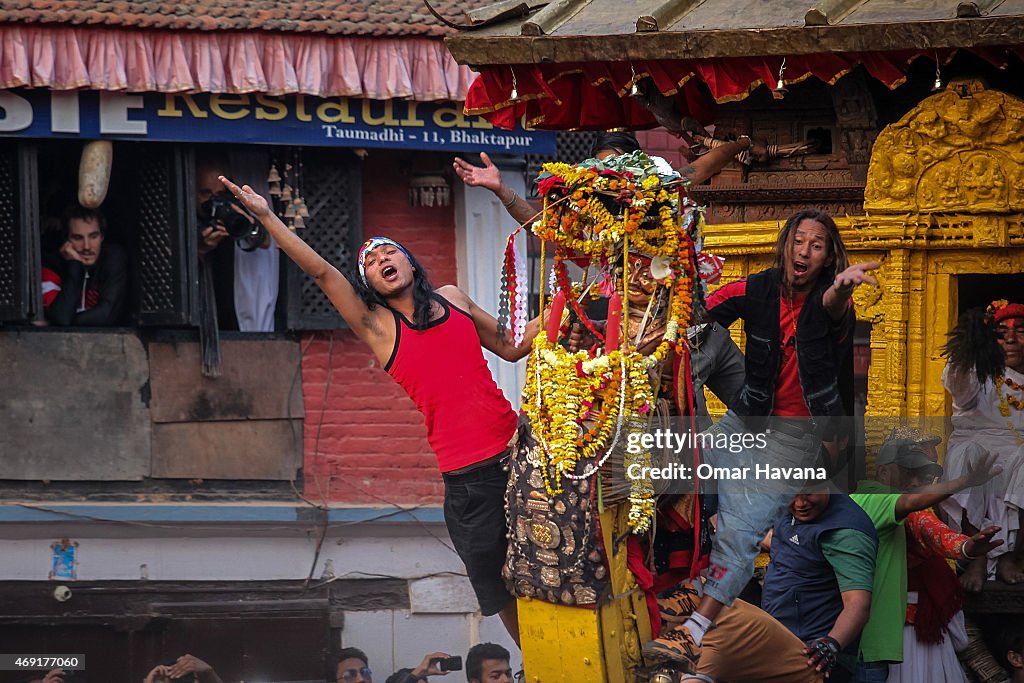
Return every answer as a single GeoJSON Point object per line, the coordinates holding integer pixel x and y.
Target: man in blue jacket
{"type": "Point", "coordinates": [820, 577]}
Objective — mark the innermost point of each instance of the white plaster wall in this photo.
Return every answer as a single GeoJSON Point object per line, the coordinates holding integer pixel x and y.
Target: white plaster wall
{"type": "Point", "coordinates": [481, 228]}
{"type": "Point", "coordinates": [235, 558]}
{"type": "Point", "coordinates": [394, 639]}
{"type": "Point", "coordinates": [442, 617]}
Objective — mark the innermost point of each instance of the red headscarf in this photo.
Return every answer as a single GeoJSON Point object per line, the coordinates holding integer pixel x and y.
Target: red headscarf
{"type": "Point", "coordinates": [1002, 310]}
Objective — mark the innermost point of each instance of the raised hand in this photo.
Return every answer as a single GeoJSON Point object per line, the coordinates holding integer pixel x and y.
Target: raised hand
{"type": "Point", "coordinates": [856, 274]}
{"type": "Point", "coordinates": [428, 667]}
{"type": "Point", "coordinates": [488, 177]}
{"type": "Point", "coordinates": [188, 664]}
{"type": "Point", "coordinates": [157, 675]}
{"type": "Point", "coordinates": [980, 472]}
{"type": "Point", "coordinates": [249, 198]}
{"type": "Point", "coordinates": [54, 676]}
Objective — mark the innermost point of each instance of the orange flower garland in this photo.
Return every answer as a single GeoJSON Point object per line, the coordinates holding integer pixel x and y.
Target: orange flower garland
{"type": "Point", "coordinates": [578, 403]}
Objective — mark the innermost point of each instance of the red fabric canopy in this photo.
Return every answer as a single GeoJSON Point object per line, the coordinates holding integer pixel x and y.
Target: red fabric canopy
{"type": "Point", "coordinates": [595, 96]}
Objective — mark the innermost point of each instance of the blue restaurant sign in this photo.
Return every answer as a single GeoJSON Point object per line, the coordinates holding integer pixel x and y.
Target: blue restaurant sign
{"type": "Point", "coordinates": [259, 119]}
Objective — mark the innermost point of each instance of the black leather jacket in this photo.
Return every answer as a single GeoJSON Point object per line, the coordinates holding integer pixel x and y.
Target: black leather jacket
{"type": "Point", "coordinates": [108, 277]}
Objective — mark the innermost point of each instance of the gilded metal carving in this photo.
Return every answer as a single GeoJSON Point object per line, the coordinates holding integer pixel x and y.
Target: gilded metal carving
{"type": "Point", "coordinates": [961, 150]}
{"type": "Point", "coordinates": [544, 533]}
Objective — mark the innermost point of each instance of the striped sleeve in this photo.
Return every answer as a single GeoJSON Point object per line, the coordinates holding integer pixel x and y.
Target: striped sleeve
{"type": "Point", "coordinates": [725, 304]}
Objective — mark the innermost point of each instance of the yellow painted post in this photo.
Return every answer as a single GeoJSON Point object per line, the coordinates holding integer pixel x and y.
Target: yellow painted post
{"type": "Point", "coordinates": [563, 644]}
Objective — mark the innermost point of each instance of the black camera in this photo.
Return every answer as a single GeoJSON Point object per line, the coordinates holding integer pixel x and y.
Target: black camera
{"type": "Point", "coordinates": [220, 210]}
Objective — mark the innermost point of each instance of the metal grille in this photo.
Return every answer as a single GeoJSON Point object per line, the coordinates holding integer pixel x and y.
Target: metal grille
{"type": "Point", "coordinates": [570, 147]}
{"type": "Point", "coordinates": [10, 298]}
{"type": "Point", "coordinates": [157, 265]}
{"type": "Point", "coordinates": [333, 192]}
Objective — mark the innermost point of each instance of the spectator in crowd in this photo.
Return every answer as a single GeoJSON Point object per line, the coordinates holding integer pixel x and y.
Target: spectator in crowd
{"type": "Point", "coordinates": [488, 663]}
{"type": "Point", "coordinates": [352, 667]}
{"type": "Point", "coordinates": [934, 629]}
{"type": "Point", "coordinates": [184, 667]}
{"type": "Point", "coordinates": [985, 377]}
{"type": "Point", "coordinates": [926, 440]}
{"type": "Point", "coordinates": [245, 272]}
{"type": "Point", "coordinates": [902, 465]}
{"type": "Point", "coordinates": [428, 667]}
{"type": "Point", "coordinates": [90, 278]}
{"type": "Point", "coordinates": [820, 577]}
{"type": "Point", "coordinates": [1011, 648]}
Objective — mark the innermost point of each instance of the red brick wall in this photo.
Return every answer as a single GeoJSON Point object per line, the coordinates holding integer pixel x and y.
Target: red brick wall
{"type": "Point", "coordinates": [364, 440]}
{"type": "Point", "coordinates": [660, 143]}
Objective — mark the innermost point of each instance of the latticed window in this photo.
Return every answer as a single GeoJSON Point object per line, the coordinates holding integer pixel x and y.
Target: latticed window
{"type": "Point", "coordinates": [151, 211]}
{"type": "Point", "coordinates": [165, 220]}
{"type": "Point", "coordinates": [19, 264]}
{"type": "Point", "coordinates": [570, 147]}
{"type": "Point", "coordinates": [332, 187]}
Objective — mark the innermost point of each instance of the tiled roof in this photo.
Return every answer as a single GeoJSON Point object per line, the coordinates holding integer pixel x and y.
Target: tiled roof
{"type": "Point", "coordinates": [360, 18]}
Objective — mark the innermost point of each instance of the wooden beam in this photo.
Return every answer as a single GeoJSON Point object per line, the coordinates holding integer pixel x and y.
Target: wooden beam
{"type": "Point", "coordinates": [492, 47]}
{"type": "Point", "coordinates": [830, 12]}
{"type": "Point", "coordinates": [502, 10]}
{"type": "Point", "coordinates": [976, 8]}
{"type": "Point", "coordinates": [547, 21]}
{"type": "Point", "coordinates": [665, 15]}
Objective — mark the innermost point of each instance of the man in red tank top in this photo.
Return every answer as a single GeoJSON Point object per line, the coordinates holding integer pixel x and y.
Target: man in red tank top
{"type": "Point", "coordinates": [430, 342]}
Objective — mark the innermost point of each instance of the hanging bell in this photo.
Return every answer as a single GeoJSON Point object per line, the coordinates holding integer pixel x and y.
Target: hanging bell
{"type": "Point", "coordinates": [273, 176]}
{"type": "Point", "coordinates": [298, 223]}
{"type": "Point", "coordinates": [634, 91]}
{"type": "Point", "coordinates": [290, 211]}
{"type": "Point", "coordinates": [514, 95]}
{"type": "Point", "coordinates": [301, 210]}
{"type": "Point", "coordinates": [275, 189]}
{"type": "Point", "coordinates": [937, 85]}
{"type": "Point", "coordinates": [286, 193]}
{"type": "Point", "coordinates": [780, 84]}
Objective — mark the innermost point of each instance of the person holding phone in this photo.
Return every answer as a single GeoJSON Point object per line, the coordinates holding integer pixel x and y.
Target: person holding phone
{"type": "Point", "coordinates": [434, 664]}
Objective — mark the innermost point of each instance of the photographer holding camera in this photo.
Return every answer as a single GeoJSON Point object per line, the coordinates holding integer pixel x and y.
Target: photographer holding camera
{"type": "Point", "coordinates": [236, 248]}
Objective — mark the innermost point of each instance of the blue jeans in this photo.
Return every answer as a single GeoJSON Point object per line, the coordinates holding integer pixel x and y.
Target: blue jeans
{"type": "Point", "coordinates": [749, 506]}
{"type": "Point", "coordinates": [872, 672]}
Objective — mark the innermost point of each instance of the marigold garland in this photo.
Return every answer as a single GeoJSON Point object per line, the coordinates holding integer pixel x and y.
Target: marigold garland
{"type": "Point", "coordinates": [1006, 400]}
{"type": "Point", "coordinates": [577, 402]}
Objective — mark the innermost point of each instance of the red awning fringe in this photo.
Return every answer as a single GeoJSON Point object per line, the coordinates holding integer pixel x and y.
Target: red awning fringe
{"type": "Point", "coordinates": [66, 58]}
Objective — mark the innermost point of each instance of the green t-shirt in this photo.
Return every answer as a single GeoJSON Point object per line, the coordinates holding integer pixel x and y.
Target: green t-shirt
{"type": "Point", "coordinates": [882, 639]}
{"type": "Point", "coordinates": [852, 556]}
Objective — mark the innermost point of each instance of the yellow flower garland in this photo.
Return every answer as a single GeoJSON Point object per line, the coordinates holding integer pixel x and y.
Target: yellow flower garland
{"type": "Point", "coordinates": [566, 390]}
{"type": "Point", "coordinates": [1005, 401]}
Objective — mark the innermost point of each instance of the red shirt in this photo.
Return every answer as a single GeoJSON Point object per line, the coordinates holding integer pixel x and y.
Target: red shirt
{"type": "Point", "coordinates": [443, 370]}
{"type": "Point", "coordinates": [789, 397]}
